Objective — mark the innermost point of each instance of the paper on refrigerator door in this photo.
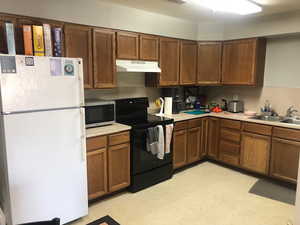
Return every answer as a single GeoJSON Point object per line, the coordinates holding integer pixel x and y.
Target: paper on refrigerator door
{"type": "Point", "coordinates": [55, 67]}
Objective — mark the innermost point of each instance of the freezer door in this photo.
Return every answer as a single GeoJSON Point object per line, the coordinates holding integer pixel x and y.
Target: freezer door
{"type": "Point", "coordinates": [39, 83]}
{"type": "Point", "coordinates": [46, 165]}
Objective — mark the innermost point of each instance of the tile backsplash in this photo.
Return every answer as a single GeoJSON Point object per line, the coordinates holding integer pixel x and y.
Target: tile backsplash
{"type": "Point", "coordinates": [129, 85]}
{"type": "Point", "coordinates": [254, 98]}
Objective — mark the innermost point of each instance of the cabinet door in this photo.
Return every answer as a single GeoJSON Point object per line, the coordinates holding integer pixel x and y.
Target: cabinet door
{"type": "Point", "coordinates": [180, 149]}
{"type": "Point", "coordinates": [255, 152]}
{"type": "Point", "coordinates": [285, 159]}
{"type": "Point", "coordinates": [104, 58]}
{"type": "Point", "coordinates": [188, 63]}
{"type": "Point", "coordinates": [97, 173]}
{"type": "Point", "coordinates": [169, 62]}
{"type": "Point", "coordinates": [209, 63]}
{"type": "Point", "coordinates": [118, 167]}
{"type": "Point", "coordinates": [127, 45]}
{"type": "Point", "coordinates": [213, 138]}
{"type": "Point", "coordinates": [149, 46]}
{"type": "Point", "coordinates": [204, 138]}
{"type": "Point", "coordinates": [243, 62]}
{"type": "Point", "coordinates": [193, 144]}
{"type": "Point", "coordinates": [78, 44]}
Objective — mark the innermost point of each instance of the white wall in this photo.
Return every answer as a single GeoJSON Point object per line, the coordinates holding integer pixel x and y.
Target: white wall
{"type": "Point", "coordinates": [281, 24]}
{"type": "Point", "coordinates": [282, 62]}
{"type": "Point", "coordinates": [103, 14]}
{"type": "Point", "coordinates": [210, 31]}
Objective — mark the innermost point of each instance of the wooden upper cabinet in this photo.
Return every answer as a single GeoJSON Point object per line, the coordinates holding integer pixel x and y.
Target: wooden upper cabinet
{"type": "Point", "coordinates": [78, 44]}
{"type": "Point", "coordinates": [149, 47]}
{"type": "Point", "coordinates": [285, 159]}
{"type": "Point", "coordinates": [188, 62]}
{"type": "Point", "coordinates": [209, 63]}
{"type": "Point", "coordinates": [169, 61]}
{"type": "Point", "coordinates": [255, 152]}
{"type": "Point", "coordinates": [104, 58]}
{"type": "Point", "coordinates": [127, 45]}
{"type": "Point", "coordinates": [243, 62]}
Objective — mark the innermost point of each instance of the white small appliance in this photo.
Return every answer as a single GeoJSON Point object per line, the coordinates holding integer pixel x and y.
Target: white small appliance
{"type": "Point", "coordinates": [168, 105]}
{"type": "Point", "coordinates": [42, 130]}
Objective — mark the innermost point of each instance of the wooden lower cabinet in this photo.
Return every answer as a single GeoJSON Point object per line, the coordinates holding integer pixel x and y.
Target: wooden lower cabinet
{"type": "Point", "coordinates": [255, 152]}
{"type": "Point", "coordinates": [285, 159]}
{"type": "Point", "coordinates": [108, 164]}
{"type": "Point", "coordinates": [119, 167]}
{"type": "Point", "coordinates": [180, 148]}
{"type": "Point", "coordinates": [97, 173]}
{"type": "Point", "coordinates": [212, 138]}
{"type": "Point", "coordinates": [193, 144]}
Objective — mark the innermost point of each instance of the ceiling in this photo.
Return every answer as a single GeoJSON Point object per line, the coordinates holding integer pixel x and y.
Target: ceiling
{"type": "Point", "coordinates": [196, 13]}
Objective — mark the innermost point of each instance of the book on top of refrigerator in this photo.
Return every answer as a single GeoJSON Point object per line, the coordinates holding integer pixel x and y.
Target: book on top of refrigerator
{"type": "Point", "coordinates": [10, 38]}
{"type": "Point", "coordinates": [48, 40]}
{"type": "Point", "coordinates": [27, 37]}
{"type": "Point", "coordinates": [57, 42]}
{"type": "Point", "coordinates": [38, 40]}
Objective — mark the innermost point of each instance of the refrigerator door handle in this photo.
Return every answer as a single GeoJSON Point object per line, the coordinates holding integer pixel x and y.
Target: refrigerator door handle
{"type": "Point", "coordinates": [81, 83]}
{"type": "Point", "coordinates": [83, 135]}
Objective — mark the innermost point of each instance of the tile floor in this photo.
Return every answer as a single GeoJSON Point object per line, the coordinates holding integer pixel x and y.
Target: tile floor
{"type": "Point", "coordinates": [207, 194]}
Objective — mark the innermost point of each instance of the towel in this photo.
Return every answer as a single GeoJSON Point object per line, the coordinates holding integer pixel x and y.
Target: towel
{"type": "Point", "coordinates": [161, 143]}
{"type": "Point", "coordinates": [156, 141]}
{"type": "Point", "coordinates": [169, 134]}
{"type": "Point", "coordinates": [152, 140]}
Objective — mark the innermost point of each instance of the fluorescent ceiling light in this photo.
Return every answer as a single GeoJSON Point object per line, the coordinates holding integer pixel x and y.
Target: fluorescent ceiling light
{"type": "Point", "coordinates": [242, 7]}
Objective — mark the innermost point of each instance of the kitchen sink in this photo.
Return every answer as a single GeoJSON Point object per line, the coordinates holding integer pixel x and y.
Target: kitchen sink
{"type": "Point", "coordinates": [292, 121]}
{"type": "Point", "coordinates": [269, 118]}
{"type": "Point", "coordinates": [281, 119]}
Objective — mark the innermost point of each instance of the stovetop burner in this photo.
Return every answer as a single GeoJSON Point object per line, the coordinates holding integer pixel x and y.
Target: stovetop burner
{"type": "Point", "coordinates": [133, 112]}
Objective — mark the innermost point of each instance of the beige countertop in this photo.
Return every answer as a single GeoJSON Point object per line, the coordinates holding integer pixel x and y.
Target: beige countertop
{"type": "Point", "coordinates": [105, 130]}
{"type": "Point", "coordinates": [233, 116]}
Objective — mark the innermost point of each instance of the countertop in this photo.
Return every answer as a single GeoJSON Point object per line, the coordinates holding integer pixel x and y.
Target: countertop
{"type": "Point", "coordinates": [117, 127]}
{"type": "Point", "coordinates": [105, 130]}
{"type": "Point", "coordinates": [232, 116]}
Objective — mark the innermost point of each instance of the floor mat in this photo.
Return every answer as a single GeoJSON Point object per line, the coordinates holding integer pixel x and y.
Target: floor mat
{"type": "Point", "coordinates": [106, 220]}
{"type": "Point", "coordinates": [274, 191]}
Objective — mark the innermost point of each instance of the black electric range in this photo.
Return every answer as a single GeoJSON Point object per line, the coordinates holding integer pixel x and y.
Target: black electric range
{"type": "Point", "coordinates": [146, 168]}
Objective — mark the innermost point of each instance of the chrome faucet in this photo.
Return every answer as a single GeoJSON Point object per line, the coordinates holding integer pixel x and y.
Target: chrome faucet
{"type": "Point", "coordinates": [290, 112]}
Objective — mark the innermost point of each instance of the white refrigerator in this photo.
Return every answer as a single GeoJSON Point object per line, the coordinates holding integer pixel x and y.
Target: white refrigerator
{"type": "Point", "coordinates": [42, 127]}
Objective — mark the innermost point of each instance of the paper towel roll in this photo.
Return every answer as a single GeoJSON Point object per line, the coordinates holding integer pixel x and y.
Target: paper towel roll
{"type": "Point", "coordinates": [168, 105]}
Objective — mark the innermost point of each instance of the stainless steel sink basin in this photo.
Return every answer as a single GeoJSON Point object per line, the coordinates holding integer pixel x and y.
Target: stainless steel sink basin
{"type": "Point", "coordinates": [269, 118]}
{"type": "Point", "coordinates": [292, 121]}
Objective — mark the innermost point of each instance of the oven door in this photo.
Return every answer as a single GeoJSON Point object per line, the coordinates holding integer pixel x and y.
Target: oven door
{"type": "Point", "coordinates": [141, 159]}
{"type": "Point", "coordinates": [99, 115]}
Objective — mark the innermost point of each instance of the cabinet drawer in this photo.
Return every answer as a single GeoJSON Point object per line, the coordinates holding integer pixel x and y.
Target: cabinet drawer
{"type": "Point", "coordinates": [181, 125]}
{"type": "Point", "coordinates": [119, 138]}
{"type": "Point", "coordinates": [230, 135]}
{"type": "Point", "coordinates": [229, 159]}
{"type": "Point", "coordinates": [194, 123]}
{"type": "Point", "coordinates": [229, 148]}
{"type": "Point", "coordinates": [257, 128]}
{"type": "Point", "coordinates": [232, 124]}
{"type": "Point", "coordinates": [96, 143]}
{"type": "Point", "coordinates": [286, 133]}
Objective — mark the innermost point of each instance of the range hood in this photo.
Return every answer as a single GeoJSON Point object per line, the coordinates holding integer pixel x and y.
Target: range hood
{"type": "Point", "coordinates": [137, 66]}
